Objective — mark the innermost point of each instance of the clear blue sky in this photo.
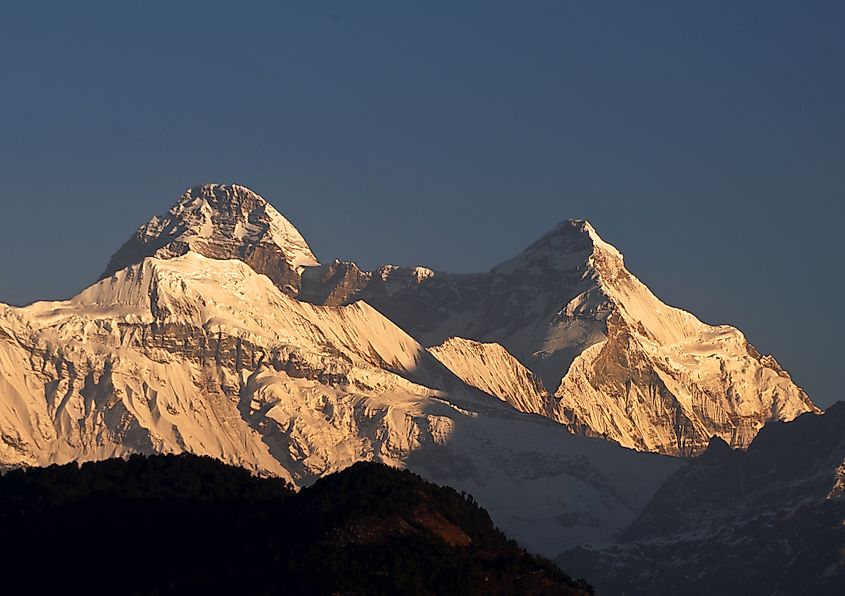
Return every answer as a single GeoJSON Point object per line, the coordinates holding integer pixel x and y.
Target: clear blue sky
{"type": "Point", "coordinates": [706, 140]}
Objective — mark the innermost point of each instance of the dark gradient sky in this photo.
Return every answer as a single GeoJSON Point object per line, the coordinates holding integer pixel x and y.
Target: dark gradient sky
{"type": "Point", "coordinates": [706, 140]}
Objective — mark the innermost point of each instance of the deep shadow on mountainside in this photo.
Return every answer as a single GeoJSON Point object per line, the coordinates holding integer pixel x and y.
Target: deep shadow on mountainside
{"type": "Point", "coordinates": [770, 520]}
{"type": "Point", "coordinates": [188, 524]}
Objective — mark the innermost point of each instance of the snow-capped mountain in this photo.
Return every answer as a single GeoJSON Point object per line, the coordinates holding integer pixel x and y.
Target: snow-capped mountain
{"type": "Point", "coordinates": [215, 331]}
{"type": "Point", "coordinates": [767, 521]}
{"type": "Point", "coordinates": [182, 352]}
{"type": "Point", "coordinates": [619, 363]}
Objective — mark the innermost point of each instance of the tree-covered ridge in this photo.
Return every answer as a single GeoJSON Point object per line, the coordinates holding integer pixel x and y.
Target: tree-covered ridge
{"type": "Point", "coordinates": [187, 524]}
{"type": "Point", "coordinates": [158, 478]}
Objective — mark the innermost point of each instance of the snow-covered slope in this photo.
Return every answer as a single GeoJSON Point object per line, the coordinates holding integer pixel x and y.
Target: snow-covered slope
{"type": "Point", "coordinates": [621, 364]}
{"type": "Point", "coordinates": [206, 355]}
{"type": "Point", "coordinates": [490, 368]}
{"type": "Point", "coordinates": [223, 222]}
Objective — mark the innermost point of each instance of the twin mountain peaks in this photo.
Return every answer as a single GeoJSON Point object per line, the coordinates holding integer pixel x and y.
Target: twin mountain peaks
{"type": "Point", "coordinates": [215, 330]}
{"type": "Point", "coordinates": [562, 330]}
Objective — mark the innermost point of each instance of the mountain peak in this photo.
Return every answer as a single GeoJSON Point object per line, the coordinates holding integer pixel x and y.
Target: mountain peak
{"type": "Point", "coordinates": [570, 245]}
{"type": "Point", "coordinates": [223, 197]}
{"type": "Point", "coordinates": [581, 229]}
{"type": "Point", "coordinates": [222, 221]}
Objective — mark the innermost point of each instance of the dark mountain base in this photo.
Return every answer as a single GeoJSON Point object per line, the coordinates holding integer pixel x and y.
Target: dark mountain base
{"type": "Point", "coordinates": [186, 524]}
{"type": "Point", "coordinates": [767, 521]}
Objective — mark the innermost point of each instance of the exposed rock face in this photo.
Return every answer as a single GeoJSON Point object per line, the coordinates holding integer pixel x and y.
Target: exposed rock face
{"type": "Point", "coordinates": [767, 521]}
{"type": "Point", "coordinates": [207, 356]}
{"type": "Point", "coordinates": [222, 222]}
{"type": "Point", "coordinates": [621, 364]}
{"type": "Point", "coordinates": [333, 284]}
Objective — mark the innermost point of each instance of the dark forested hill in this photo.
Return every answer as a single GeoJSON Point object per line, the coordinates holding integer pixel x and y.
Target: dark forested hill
{"type": "Point", "coordinates": [186, 524]}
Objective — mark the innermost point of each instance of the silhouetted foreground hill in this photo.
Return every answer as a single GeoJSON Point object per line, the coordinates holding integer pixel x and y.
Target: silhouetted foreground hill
{"type": "Point", "coordinates": [190, 524]}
